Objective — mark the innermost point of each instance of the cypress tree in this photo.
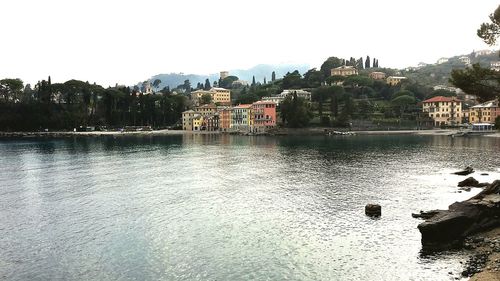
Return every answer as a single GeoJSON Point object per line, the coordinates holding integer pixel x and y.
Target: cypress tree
{"type": "Point", "coordinates": [253, 81]}
{"type": "Point", "coordinates": [367, 62]}
{"type": "Point", "coordinates": [265, 80]}
{"type": "Point", "coordinates": [207, 84]}
{"type": "Point", "coordinates": [273, 76]}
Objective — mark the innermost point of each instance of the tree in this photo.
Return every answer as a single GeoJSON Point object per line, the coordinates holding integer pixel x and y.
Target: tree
{"type": "Point", "coordinates": [313, 78]}
{"type": "Point", "coordinates": [273, 76]}
{"type": "Point", "coordinates": [359, 63]}
{"type": "Point", "coordinates": [295, 111]}
{"type": "Point", "coordinates": [253, 81]}
{"type": "Point", "coordinates": [402, 103]}
{"type": "Point", "coordinates": [482, 82]}
{"type": "Point", "coordinates": [497, 122]}
{"type": "Point", "coordinates": [442, 92]}
{"type": "Point", "coordinates": [207, 84]}
{"type": "Point", "coordinates": [367, 62]}
{"type": "Point", "coordinates": [329, 64]}
{"type": "Point", "coordinates": [292, 80]}
{"type": "Point", "coordinates": [187, 86]}
{"type": "Point", "coordinates": [490, 32]}
{"type": "Point", "coordinates": [11, 89]}
{"type": "Point", "coordinates": [205, 99]}
{"type": "Point", "coordinates": [265, 80]}
{"type": "Point", "coordinates": [156, 84]}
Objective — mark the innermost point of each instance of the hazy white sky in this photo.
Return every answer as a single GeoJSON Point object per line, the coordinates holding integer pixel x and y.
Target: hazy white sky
{"type": "Point", "coordinates": [108, 41]}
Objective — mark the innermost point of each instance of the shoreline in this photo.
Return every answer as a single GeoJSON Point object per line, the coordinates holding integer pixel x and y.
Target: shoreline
{"type": "Point", "coordinates": [488, 245]}
{"type": "Point", "coordinates": [277, 132]}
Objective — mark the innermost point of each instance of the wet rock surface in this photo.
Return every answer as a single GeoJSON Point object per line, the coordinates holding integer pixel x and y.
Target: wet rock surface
{"type": "Point", "coordinates": [464, 172]}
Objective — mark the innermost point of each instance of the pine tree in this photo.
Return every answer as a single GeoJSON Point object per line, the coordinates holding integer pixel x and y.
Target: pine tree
{"type": "Point", "coordinates": [273, 76]}
{"type": "Point", "coordinates": [367, 62]}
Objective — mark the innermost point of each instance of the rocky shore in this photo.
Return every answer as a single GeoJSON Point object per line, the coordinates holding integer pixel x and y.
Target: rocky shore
{"type": "Point", "coordinates": [473, 224]}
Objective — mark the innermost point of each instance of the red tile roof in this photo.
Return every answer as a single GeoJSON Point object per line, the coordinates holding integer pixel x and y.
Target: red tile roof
{"type": "Point", "coordinates": [442, 99]}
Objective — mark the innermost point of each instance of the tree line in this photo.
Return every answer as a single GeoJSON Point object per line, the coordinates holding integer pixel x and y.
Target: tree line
{"type": "Point", "coordinates": [74, 103]}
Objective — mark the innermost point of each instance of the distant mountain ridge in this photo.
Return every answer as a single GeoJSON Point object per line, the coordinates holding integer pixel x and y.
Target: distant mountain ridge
{"type": "Point", "coordinates": [259, 71]}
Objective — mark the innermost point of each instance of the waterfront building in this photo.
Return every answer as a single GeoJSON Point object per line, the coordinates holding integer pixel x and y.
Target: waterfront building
{"type": "Point", "coordinates": [344, 71]}
{"type": "Point", "coordinates": [210, 122]}
{"type": "Point", "coordinates": [484, 113]}
{"type": "Point", "coordinates": [445, 111]}
{"type": "Point", "coordinates": [225, 120]}
{"type": "Point", "coordinates": [394, 80]}
{"type": "Point", "coordinates": [377, 75]}
{"type": "Point", "coordinates": [242, 118]}
{"type": "Point", "coordinates": [264, 115]}
{"type": "Point", "coordinates": [191, 120]}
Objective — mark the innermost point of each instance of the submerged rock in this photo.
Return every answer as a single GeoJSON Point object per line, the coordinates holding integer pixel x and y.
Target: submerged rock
{"type": "Point", "coordinates": [472, 182]}
{"type": "Point", "coordinates": [449, 227]}
{"type": "Point", "coordinates": [464, 172]}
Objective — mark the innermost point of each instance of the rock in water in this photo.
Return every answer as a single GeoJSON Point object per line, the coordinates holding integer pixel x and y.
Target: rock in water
{"type": "Point", "coordinates": [464, 172]}
{"type": "Point", "coordinates": [470, 181]}
{"type": "Point", "coordinates": [373, 210]}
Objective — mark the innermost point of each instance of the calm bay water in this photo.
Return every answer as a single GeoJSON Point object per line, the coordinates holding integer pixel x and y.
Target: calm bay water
{"type": "Point", "coordinates": [216, 207]}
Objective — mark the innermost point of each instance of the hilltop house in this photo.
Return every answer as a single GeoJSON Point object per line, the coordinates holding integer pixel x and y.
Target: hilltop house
{"type": "Point", "coordinates": [344, 71]}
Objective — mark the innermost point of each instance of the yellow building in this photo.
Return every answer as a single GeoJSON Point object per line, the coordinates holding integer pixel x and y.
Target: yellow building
{"type": "Point", "coordinates": [445, 111]}
{"type": "Point", "coordinates": [484, 113]}
{"type": "Point", "coordinates": [218, 95]}
{"type": "Point", "coordinates": [242, 117]}
{"type": "Point", "coordinates": [344, 71]}
{"type": "Point", "coordinates": [394, 80]}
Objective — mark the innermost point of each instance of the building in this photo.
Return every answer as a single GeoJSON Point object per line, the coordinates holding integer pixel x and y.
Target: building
{"type": "Point", "coordinates": [146, 88]}
{"type": "Point", "coordinates": [242, 118]}
{"type": "Point", "coordinates": [224, 74]}
{"type": "Point", "coordinates": [264, 115]}
{"type": "Point", "coordinates": [276, 99]}
{"type": "Point", "coordinates": [206, 109]}
{"type": "Point", "coordinates": [394, 80]}
{"type": "Point", "coordinates": [377, 75]}
{"type": "Point", "coordinates": [191, 120]}
{"type": "Point", "coordinates": [484, 113]}
{"type": "Point", "coordinates": [495, 65]}
{"type": "Point", "coordinates": [442, 60]}
{"type": "Point", "coordinates": [482, 53]}
{"type": "Point", "coordinates": [210, 122]}
{"type": "Point", "coordinates": [465, 60]}
{"type": "Point", "coordinates": [344, 71]}
{"type": "Point", "coordinates": [300, 94]}
{"type": "Point", "coordinates": [225, 119]}
{"type": "Point", "coordinates": [218, 95]}
{"type": "Point", "coordinates": [445, 111]}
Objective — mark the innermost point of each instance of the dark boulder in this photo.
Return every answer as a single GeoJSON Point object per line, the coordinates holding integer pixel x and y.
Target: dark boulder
{"type": "Point", "coordinates": [472, 182]}
{"type": "Point", "coordinates": [464, 172]}
{"type": "Point", "coordinates": [447, 227]}
{"type": "Point", "coordinates": [373, 210]}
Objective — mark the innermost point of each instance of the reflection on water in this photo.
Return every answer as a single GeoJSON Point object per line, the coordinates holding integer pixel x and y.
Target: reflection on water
{"type": "Point", "coordinates": [220, 207]}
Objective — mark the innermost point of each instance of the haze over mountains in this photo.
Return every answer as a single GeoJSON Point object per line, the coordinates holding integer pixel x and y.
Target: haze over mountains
{"type": "Point", "coordinates": [259, 71]}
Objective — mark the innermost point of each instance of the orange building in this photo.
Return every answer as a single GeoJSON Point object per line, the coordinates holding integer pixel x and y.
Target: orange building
{"type": "Point", "coordinates": [225, 119]}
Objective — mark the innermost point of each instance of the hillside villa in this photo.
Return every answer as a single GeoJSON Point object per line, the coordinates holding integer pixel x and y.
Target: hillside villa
{"type": "Point", "coordinates": [344, 71]}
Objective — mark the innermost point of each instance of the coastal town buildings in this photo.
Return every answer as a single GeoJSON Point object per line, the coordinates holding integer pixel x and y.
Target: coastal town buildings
{"type": "Point", "coordinates": [394, 80]}
{"type": "Point", "coordinates": [485, 112]}
{"type": "Point", "coordinates": [464, 59]}
{"type": "Point", "coordinates": [281, 97]}
{"type": "Point", "coordinates": [445, 111]}
{"type": "Point", "coordinates": [242, 118]}
{"type": "Point", "coordinates": [344, 71]}
{"type": "Point", "coordinates": [225, 119]}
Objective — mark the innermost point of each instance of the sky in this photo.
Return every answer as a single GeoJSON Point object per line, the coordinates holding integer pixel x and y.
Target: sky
{"type": "Point", "coordinates": [124, 42]}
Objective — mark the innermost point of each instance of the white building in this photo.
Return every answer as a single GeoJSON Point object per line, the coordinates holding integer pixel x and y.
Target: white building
{"type": "Point", "coordinates": [495, 65]}
{"type": "Point", "coordinates": [442, 60]}
{"type": "Point", "coordinates": [465, 60]}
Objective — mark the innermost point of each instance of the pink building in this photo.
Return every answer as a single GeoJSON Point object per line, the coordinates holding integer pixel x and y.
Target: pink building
{"type": "Point", "coordinates": [264, 115]}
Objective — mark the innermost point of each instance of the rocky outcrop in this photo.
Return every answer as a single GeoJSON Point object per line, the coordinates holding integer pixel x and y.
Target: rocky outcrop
{"type": "Point", "coordinates": [464, 172]}
{"type": "Point", "coordinates": [444, 228]}
{"type": "Point", "coordinates": [472, 182]}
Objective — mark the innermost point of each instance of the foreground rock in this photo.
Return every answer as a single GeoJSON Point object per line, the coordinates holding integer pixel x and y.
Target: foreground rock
{"type": "Point", "coordinates": [464, 172]}
{"type": "Point", "coordinates": [445, 228]}
{"type": "Point", "coordinates": [472, 182]}
{"type": "Point", "coordinates": [373, 210]}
